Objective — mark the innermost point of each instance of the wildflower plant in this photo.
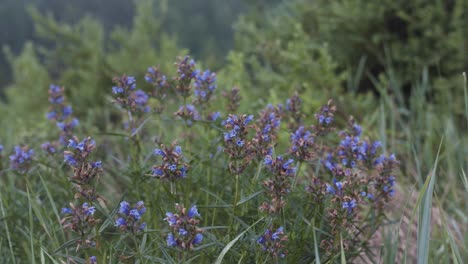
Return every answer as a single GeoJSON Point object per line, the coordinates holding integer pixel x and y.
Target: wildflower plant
{"type": "Point", "coordinates": [273, 242]}
{"type": "Point", "coordinates": [279, 184]}
{"type": "Point", "coordinates": [133, 101]}
{"type": "Point", "coordinates": [130, 218]}
{"type": "Point", "coordinates": [236, 143]}
{"type": "Point", "coordinates": [80, 216]}
{"type": "Point", "coordinates": [267, 126]}
{"type": "Point", "coordinates": [21, 159]}
{"type": "Point", "coordinates": [185, 233]}
{"type": "Point", "coordinates": [61, 113]}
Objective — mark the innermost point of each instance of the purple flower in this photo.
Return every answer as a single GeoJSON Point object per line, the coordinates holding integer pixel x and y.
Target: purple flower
{"type": "Point", "coordinates": [268, 160]}
{"type": "Point", "coordinates": [183, 232]}
{"type": "Point", "coordinates": [159, 152]}
{"type": "Point", "coordinates": [69, 159]}
{"type": "Point", "coordinates": [120, 222]}
{"type": "Point", "coordinates": [97, 164]}
{"type": "Point", "coordinates": [66, 210]}
{"type": "Point", "coordinates": [349, 205]}
{"type": "Point", "coordinates": [193, 212]}
{"type": "Point", "coordinates": [171, 241]}
{"type": "Point", "coordinates": [172, 167]}
{"type": "Point", "coordinates": [248, 119]}
{"type": "Point", "coordinates": [135, 214]}
{"type": "Point", "coordinates": [171, 218]}
{"type": "Point", "coordinates": [198, 239]}
{"type": "Point", "coordinates": [277, 234]}
{"type": "Point", "coordinates": [178, 150]}
{"type": "Point", "coordinates": [124, 208]}
{"type": "Point", "coordinates": [92, 260]}
{"type": "Point", "coordinates": [117, 90]}
{"type": "Point", "coordinates": [88, 210]}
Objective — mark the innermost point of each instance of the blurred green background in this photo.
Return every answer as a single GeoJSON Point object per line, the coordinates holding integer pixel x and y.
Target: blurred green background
{"type": "Point", "coordinates": [396, 65]}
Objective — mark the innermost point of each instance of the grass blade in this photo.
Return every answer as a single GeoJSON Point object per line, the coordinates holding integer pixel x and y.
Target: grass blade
{"type": "Point", "coordinates": [7, 230]}
{"type": "Point", "coordinates": [230, 244]}
{"type": "Point", "coordinates": [425, 209]}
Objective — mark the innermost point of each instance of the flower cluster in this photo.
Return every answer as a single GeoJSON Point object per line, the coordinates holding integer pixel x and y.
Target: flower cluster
{"type": "Point", "coordinates": [204, 86]}
{"type": "Point", "coordinates": [189, 113]}
{"type": "Point", "coordinates": [21, 160]}
{"type": "Point", "coordinates": [302, 143]}
{"type": "Point", "coordinates": [81, 220]}
{"type": "Point", "coordinates": [127, 97]}
{"type": "Point", "coordinates": [184, 226]}
{"type": "Point", "coordinates": [274, 242]}
{"type": "Point", "coordinates": [233, 99]}
{"type": "Point", "coordinates": [267, 126]}
{"type": "Point", "coordinates": [50, 147]}
{"type": "Point", "coordinates": [158, 80]}
{"type": "Point", "coordinates": [160, 85]}
{"type": "Point", "coordinates": [278, 186]}
{"type": "Point", "coordinates": [61, 114]}
{"type": "Point", "coordinates": [294, 112]}
{"type": "Point", "coordinates": [130, 217]}
{"type": "Point", "coordinates": [93, 260]}
{"type": "Point", "coordinates": [173, 166]}
{"type": "Point", "coordinates": [186, 72]}
{"type": "Point", "coordinates": [236, 145]}
{"type": "Point", "coordinates": [76, 157]}
{"type": "Point", "coordinates": [325, 118]}
{"type": "Point", "coordinates": [84, 170]}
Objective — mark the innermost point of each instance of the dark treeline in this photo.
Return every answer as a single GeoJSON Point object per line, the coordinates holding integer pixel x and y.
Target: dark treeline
{"type": "Point", "coordinates": [203, 26]}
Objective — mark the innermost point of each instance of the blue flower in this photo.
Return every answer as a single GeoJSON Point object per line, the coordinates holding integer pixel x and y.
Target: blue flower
{"type": "Point", "coordinates": [268, 160]}
{"type": "Point", "coordinates": [277, 234]}
{"type": "Point", "coordinates": [131, 82]}
{"type": "Point", "coordinates": [248, 119]}
{"type": "Point", "coordinates": [198, 239]}
{"type": "Point", "coordinates": [330, 189]}
{"type": "Point", "coordinates": [171, 241]}
{"type": "Point", "coordinates": [193, 212]}
{"type": "Point", "coordinates": [339, 185]}
{"type": "Point", "coordinates": [120, 222]}
{"type": "Point", "coordinates": [69, 159]}
{"type": "Point", "coordinates": [1, 147]}
{"type": "Point", "coordinates": [159, 152]}
{"type": "Point", "coordinates": [117, 90]}
{"type": "Point", "coordinates": [97, 164]}
{"type": "Point", "coordinates": [66, 210]}
{"type": "Point", "coordinates": [183, 171]}
{"type": "Point", "coordinates": [287, 163]}
{"type": "Point", "coordinates": [136, 215]}
{"type": "Point", "coordinates": [88, 210]}
{"type": "Point", "coordinates": [124, 208]}
{"type": "Point", "coordinates": [171, 218]}
{"type": "Point", "coordinates": [183, 232]}
{"type": "Point", "coordinates": [178, 150]}
{"type": "Point", "coordinates": [172, 167]}
{"type": "Point", "coordinates": [92, 260]}
{"type": "Point", "coordinates": [349, 205]}
{"type": "Point", "coordinates": [141, 98]}
{"type": "Point", "coordinates": [240, 143]}
{"type": "Point", "coordinates": [158, 172]}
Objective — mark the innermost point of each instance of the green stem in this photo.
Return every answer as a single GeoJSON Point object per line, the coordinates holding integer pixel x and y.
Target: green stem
{"type": "Point", "coordinates": [296, 175]}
